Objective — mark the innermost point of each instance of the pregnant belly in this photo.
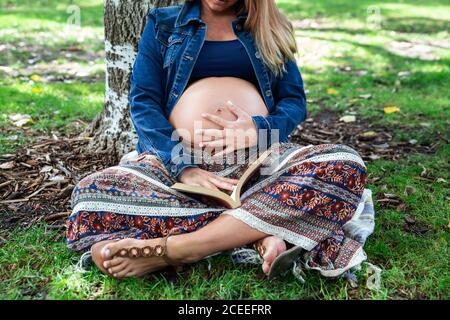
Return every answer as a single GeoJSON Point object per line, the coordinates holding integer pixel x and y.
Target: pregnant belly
{"type": "Point", "coordinates": [210, 95]}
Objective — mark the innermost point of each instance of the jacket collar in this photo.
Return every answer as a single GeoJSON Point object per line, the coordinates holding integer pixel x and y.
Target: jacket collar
{"type": "Point", "coordinates": [191, 11]}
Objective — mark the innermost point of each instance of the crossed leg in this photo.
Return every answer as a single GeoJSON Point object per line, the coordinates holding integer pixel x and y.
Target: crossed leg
{"type": "Point", "coordinates": [224, 233]}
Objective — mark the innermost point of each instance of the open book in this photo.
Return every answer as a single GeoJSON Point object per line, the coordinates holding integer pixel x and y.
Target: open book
{"type": "Point", "coordinates": [229, 201]}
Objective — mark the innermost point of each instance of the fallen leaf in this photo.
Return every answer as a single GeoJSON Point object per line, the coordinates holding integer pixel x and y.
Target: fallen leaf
{"type": "Point", "coordinates": [348, 119]}
{"type": "Point", "coordinates": [332, 91]}
{"type": "Point", "coordinates": [57, 178]}
{"type": "Point", "coordinates": [369, 134]}
{"type": "Point", "coordinates": [409, 190]}
{"type": "Point", "coordinates": [365, 96]}
{"type": "Point", "coordinates": [21, 119]}
{"type": "Point", "coordinates": [410, 219]}
{"type": "Point", "coordinates": [404, 74]}
{"type": "Point", "coordinates": [413, 141]}
{"type": "Point", "coordinates": [7, 165]}
{"type": "Point", "coordinates": [46, 169]}
{"type": "Point", "coordinates": [374, 157]}
{"type": "Point", "coordinates": [37, 90]}
{"type": "Point", "coordinates": [35, 77]}
{"type": "Point", "coordinates": [391, 109]}
{"type": "Point", "coordinates": [381, 146]}
{"type": "Point", "coordinates": [12, 138]}
{"type": "Point", "coordinates": [32, 162]}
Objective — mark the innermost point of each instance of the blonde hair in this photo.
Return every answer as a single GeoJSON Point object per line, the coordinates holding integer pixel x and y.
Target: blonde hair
{"type": "Point", "coordinates": [272, 31]}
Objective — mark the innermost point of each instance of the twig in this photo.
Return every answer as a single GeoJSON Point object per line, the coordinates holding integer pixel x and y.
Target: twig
{"type": "Point", "coordinates": [31, 195]}
{"type": "Point", "coordinates": [5, 183]}
{"type": "Point", "coordinates": [59, 141]}
{"type": "Point", "coordinates": [56, 216]}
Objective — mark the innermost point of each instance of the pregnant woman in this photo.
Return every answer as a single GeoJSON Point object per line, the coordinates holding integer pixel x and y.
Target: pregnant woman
{"type": "Point", "coordinates": [214, 78]}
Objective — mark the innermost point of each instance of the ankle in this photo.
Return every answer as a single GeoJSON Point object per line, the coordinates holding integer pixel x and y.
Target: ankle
{"type": "Point", "coordinates": [180, 251]}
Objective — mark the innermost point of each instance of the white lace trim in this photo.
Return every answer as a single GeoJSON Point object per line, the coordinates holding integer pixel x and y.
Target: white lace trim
{"type": "Point", "coordinates": [265, 227]}
{"type": "Point", "coordinates": [140, 210]}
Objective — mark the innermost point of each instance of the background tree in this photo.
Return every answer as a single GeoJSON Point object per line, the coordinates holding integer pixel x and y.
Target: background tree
{"type": "Point", "coordinates": [112, 130]}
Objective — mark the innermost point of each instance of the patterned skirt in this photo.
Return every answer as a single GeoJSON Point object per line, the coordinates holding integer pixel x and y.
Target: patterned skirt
{"type": "Point", "coordinates": [306, 201]}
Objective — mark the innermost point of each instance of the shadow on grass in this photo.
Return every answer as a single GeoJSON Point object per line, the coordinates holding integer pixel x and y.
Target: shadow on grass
{"type": "Point", "coordinates": [338, 9]}
{"type": "Point", "coordinates": [416, 25]}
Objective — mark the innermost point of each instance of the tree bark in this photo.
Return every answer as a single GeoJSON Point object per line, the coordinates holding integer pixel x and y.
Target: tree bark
{"type": "Point", "coordinates": [112, 130]}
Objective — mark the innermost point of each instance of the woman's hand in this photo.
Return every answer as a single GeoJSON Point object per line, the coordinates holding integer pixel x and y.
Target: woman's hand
{"type": "Point", "coordinates": [238, 134]}
{"type": "Point", "coordinates": [203, 178]}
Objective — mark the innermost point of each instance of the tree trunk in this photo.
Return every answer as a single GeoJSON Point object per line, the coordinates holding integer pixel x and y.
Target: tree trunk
{"type": "Point", "coordinates": [112, 130]}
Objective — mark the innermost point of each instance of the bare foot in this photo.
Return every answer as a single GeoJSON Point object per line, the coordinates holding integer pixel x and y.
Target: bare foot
{"type": "Point", "coordinates": [96, 250]}
{"type": "Point", "coordinates": [274, 247]}
{"type": "Point", "coordinates": [120, 267]}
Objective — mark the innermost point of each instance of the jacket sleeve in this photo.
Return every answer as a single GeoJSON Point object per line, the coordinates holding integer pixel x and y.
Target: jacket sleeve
{"type": "Point", "coordinates": [146, 105]}
{"type": "Point", "coordinates": [290, 110]}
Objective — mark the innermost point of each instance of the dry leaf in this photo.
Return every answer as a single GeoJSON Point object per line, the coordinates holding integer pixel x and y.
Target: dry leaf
{"type": "Point", "coordinates": [37, 90]}
{"type": "Point", "coordinates": [365, 96]}
{"type": "Point", "coordinates": [332, 91]}
{"type": "Point", "coordinates": [7, 165]}
{"type": "Point", "coordinates": [409, 190]}
{"type": "Point", "coordinates": [46, 169]}
{"type": "Point", "coordinates": [369, 134]}
{"type": "Point", "coordinates": [57, 178]}
{"type": "Point", "coordinates": [391, 109]}
{"type": "Point", "coordinates": [347, 119]}
{"type": "Point", "coordinates": [35, 77]}
{"type": "Point", "coordinates": [21, 119]}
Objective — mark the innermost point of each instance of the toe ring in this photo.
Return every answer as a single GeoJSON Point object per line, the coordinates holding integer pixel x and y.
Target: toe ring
{"type": "Point", "coordinates": [134, 252]}
{"type": "Point", "coordinates": [159, 250]}
{"type": "Point", "coordinates": [147, 251]}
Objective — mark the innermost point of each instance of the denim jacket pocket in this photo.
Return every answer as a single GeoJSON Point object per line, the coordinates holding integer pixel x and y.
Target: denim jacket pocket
{"type": "Point", "coordinates": [170, 44]}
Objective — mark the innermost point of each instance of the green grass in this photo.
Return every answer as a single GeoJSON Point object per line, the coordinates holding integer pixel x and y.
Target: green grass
{"type": "Point", "coordinates": [35, 263]}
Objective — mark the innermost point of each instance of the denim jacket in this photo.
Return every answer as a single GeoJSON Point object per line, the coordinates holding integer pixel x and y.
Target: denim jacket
{"type": "Point", "coordinates": [167, 52]}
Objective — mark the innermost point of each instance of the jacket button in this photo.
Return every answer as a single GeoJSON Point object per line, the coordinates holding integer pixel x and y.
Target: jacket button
{"type": "Point", "coordinates": [239, 27]}
{"type": "Point", "coordinates": [257, 55]}
{"type": "Point", "coordinates": [268, 93]}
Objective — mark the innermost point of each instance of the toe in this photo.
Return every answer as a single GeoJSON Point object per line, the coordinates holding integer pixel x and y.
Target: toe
{"type": "Point", "coordinates": [96, 254]}
{"type": "Point", "coordinates": [118, 268]}
{"type": "Point", "coordinates": [122, 274]}
{"type": "Point", "coordinates": [114, 262]}
{"type": "Point", "coordinates": [270, 255]}
{"type": "Point", "coordinates": [112, 248]}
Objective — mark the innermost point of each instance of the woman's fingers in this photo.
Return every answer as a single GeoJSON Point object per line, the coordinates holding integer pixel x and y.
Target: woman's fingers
{"type": "Point", "coordinates": [232, 181]}
{"type": "Point", "coordinates": [222, 184]}
{"type": "Point", "coordinates": [209, 184]}
{"type": "Point", "coordinates": [217, 120]}
{"type": "Point", "coordinates": [238, 112]}
{"type": "Point", "coordinates": [213, 144]}
{"type": "Point", "coordinates": [215, 133]}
